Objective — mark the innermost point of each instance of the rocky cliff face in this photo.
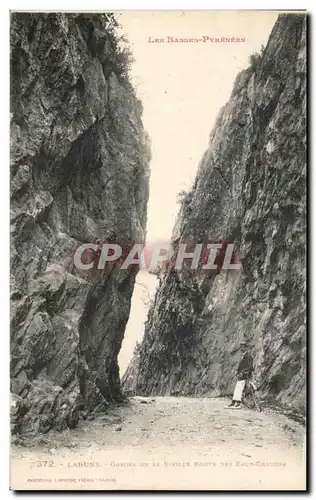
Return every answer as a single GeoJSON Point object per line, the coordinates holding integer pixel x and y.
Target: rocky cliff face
{"type": "Point", "coordinates": [250, 190]}
{"type": "Point", "coordinates": [79, 170]}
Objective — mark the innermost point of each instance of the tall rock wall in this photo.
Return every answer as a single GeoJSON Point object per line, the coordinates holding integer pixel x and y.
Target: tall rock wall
{"type": "Point", "coordinates": [79, 170]}
{"type": "Point", "coordinates": [250, 189]}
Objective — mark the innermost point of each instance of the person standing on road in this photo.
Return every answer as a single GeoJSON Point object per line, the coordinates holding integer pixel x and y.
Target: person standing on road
{"type": "Point", "coordinates": [244, 372]}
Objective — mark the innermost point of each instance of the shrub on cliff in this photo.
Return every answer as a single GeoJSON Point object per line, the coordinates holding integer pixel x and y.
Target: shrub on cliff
{"type": "Point", "coordinates": [184, 197]}
{"type": "Point", "coordinates": [102, 34]}
{"type": "Point", "coordinates": [255, 58]}
{"type": "Point", "coordinates": [124, 57]}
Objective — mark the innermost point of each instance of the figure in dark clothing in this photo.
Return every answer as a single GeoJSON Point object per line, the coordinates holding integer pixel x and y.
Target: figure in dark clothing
{"type": "Point", "coordinates": [245, 367]}
{"type": "Point", "coordinates": [244, 372]}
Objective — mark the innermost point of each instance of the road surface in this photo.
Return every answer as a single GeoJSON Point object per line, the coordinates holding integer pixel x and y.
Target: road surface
{"type": "Point", "coordinates": [166, 443]}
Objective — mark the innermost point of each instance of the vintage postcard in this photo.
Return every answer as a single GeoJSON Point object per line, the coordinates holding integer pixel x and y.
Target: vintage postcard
{"type": "Point", "coordinates": [158, 250]}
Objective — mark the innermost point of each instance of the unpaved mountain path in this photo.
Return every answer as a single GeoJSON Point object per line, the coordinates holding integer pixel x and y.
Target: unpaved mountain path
{"type": "Point", "coordinates": [167, 443]}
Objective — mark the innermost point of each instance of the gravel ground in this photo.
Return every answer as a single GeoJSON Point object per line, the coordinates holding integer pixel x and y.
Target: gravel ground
{"type": "Point", "coordinates": [167, 443]}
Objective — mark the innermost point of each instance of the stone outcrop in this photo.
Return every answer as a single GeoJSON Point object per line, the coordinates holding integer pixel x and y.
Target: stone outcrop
{"type": "Point", "coordinates": [79, 171]}
{"type": "Point", "coordinates": [250, 189]}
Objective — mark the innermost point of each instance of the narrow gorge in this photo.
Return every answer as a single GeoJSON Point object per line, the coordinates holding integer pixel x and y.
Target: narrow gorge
{"type": "Point", "coordinates": [80, 173]}
{"type": "Point", "coordinates": [250, 190]}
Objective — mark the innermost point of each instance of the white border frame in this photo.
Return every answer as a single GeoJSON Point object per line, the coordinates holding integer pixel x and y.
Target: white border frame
{"type": "Point", "coordinates": [94, 5]}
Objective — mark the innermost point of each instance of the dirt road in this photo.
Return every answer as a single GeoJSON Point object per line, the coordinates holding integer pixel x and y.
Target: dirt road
{"type": "Point", "coordinates": [167, 443]}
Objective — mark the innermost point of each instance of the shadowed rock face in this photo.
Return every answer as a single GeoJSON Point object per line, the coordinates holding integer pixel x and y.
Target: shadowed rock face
{"type": "Point", "coordinates": [79, 169]}
{"type": "Point", "coordinates": [250, 189]}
